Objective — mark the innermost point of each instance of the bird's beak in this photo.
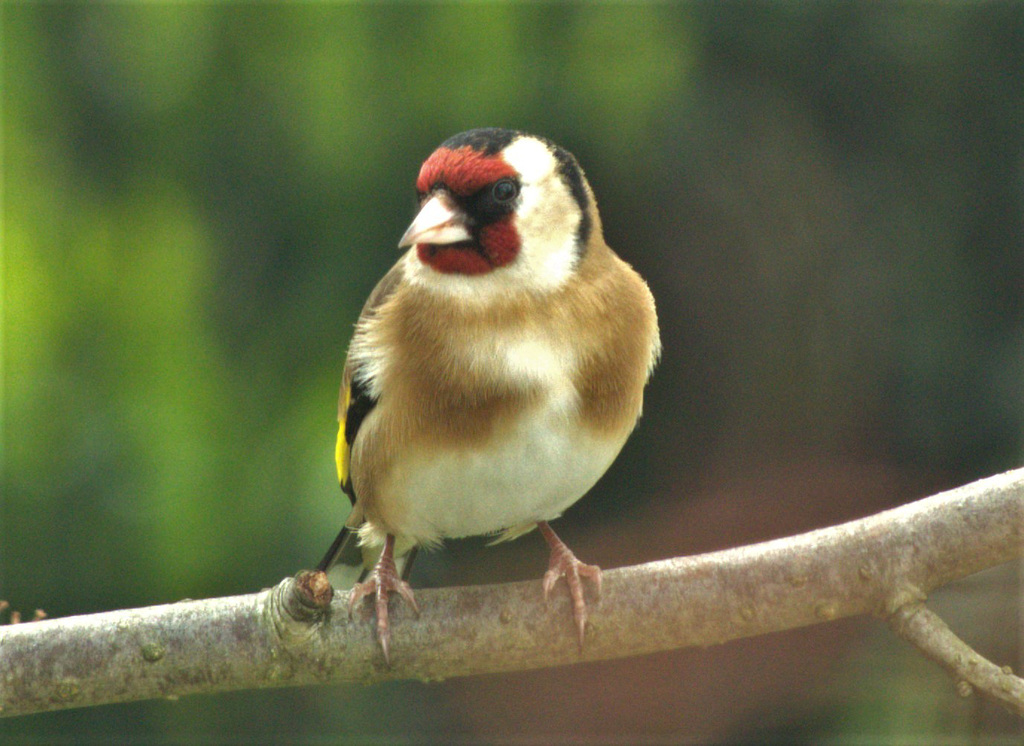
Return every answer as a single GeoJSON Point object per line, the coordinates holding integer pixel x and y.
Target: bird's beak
{"type": "Point", "coordinates": [439, 222]}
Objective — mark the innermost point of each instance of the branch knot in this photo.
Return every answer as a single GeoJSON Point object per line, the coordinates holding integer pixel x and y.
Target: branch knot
{"type": "Point", "coordinates": [296, 606]}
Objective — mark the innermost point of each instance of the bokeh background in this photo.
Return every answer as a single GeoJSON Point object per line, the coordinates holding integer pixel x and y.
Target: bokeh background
{"type": "Point", "coordinates": [826, 198]}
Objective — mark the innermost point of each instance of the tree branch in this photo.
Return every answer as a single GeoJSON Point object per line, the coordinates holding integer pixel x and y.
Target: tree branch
{"type": "Point", "coordinates": [293, 635]}
{"type": "Point", "coordinates": [929, 634]}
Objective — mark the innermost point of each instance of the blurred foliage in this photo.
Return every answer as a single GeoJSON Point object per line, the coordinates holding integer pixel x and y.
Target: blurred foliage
{"type": "Point", "coordinates": [197, 198]}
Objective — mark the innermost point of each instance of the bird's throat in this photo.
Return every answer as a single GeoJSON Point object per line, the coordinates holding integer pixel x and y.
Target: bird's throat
{"type": "Point", "coordinates": [462, 258]}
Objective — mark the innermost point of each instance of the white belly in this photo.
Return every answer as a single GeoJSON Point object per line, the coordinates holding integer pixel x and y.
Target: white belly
{"type": "Point", "coordinates": [530, 474]}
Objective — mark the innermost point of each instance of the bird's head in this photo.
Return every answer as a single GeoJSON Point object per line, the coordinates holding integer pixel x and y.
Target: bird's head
{"type": "Point", "coordinates": [499, 208]}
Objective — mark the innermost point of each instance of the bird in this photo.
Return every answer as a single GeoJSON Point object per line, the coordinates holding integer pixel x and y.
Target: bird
{"type": "Point", "coordinates": [494, 373]}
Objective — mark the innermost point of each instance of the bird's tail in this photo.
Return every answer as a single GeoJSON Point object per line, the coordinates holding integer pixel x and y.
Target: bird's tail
{"type": "Point", "coordinates": [347, 563]}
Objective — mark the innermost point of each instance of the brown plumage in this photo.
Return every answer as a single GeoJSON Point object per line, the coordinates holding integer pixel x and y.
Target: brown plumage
{"type": "Point", "coordinates": [494, 374]}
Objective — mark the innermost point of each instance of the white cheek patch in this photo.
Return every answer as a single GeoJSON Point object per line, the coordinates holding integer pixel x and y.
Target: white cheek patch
{"type": "Point", "coordinates": [548, 217]}
{"type": "Point", "coordinates": [547, 221]}
{"type": "Point", "coordinates": [531, 158]}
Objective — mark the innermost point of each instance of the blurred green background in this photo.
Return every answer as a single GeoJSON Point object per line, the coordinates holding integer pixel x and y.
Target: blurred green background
{"type": "Point", "coordinates": [827, 201]}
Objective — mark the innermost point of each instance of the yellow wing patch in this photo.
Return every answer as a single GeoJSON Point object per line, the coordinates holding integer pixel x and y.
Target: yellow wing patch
{"type": "Point", "coordinates": [341, 451]}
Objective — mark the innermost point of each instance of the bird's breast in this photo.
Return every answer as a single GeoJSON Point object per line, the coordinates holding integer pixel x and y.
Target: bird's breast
{"type": "Point", "coordinates": [529, 467]}
{"type": "Point", "coordinates": [493, 440]}
{"type": "Point", "coordinates": [529, 362]}
{"type": "Point", "coordinates": [492, 419]}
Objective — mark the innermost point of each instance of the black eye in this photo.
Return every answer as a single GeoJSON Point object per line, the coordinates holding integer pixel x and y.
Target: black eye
{"type": "Point", "coordinates": [505, 190]}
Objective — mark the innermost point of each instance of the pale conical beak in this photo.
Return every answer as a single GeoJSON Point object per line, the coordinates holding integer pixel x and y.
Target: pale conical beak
{"type": "Point", "coordinates": [438, 222]}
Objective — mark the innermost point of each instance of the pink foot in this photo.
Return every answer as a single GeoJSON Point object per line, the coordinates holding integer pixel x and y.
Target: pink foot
{"type": "Point", "coordinates": [382, 582]}
{"type": "Point", "coordinates": [563, 563]}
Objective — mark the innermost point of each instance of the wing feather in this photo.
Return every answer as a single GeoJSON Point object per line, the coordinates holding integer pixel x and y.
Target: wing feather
{"type": "Point", "coordinates": [354, 404]}
{"type": "Point", "coordinates": [354, 400]}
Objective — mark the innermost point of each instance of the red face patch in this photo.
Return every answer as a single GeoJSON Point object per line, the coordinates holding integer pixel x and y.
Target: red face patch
{"type": "Point", "coordinates": [500, 242]}
{"type": "Point", "coordinates": [455, 259]}
{"type": "Point", "coordinates": [463, 171]}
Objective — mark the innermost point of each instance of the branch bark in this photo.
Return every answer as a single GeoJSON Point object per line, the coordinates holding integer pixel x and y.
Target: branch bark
{"type": "Point", "coordinates": [293, 634]}
{"type": "Point", "coordinates": [928, 633]}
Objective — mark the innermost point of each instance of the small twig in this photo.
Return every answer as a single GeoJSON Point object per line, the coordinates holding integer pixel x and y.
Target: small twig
{"type": "Point", "coordinates": [925, 630]}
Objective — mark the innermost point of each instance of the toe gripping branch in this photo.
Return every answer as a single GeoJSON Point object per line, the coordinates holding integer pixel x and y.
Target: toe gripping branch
{"type": "Point", "coordinates": [382, 582]}
{"type": "Point", "coordinates": [563, 563]}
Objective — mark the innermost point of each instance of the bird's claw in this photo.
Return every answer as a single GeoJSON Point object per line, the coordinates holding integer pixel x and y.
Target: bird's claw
{"type": "Point", "coordinates": [382, 582]}
{"type": "Point", "coordinates": [563, 563]}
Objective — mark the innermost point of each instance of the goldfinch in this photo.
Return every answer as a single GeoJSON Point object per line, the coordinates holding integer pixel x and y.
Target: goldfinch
{"type": "Point", "coordinates": [495, 372]}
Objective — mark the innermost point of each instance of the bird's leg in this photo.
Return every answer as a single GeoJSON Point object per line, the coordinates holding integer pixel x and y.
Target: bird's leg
{"type": "Point", "coordinates": [381, 583]}
{"type": "Point", "coordinates": [564, 563]}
